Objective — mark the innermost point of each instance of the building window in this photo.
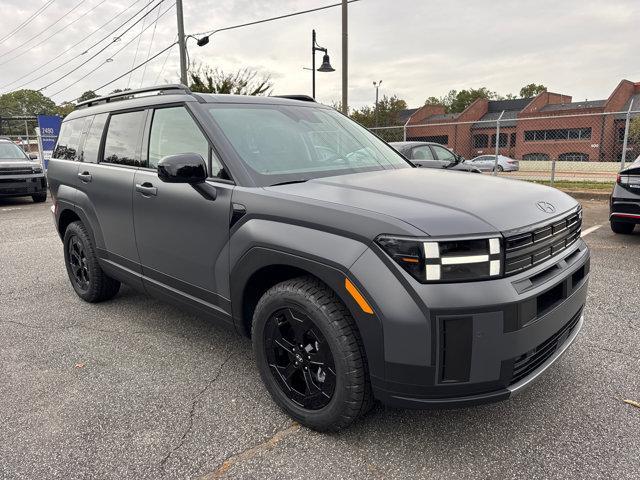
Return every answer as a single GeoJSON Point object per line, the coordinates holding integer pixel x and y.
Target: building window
{"type": "Point", "coordinates": [573, 157]}
{"type": "Point", "coordinates": [557, 134]}
{"type": "Point", "coordinates": [480, 140]}
{"type": "Point", "coordinates": [536, 157]}
{"type": "Point", "coordinates": [503, 140]}
{"type": "Point", "coordinates": [441, 139]}
{"type": "Point", "coordinates": [512, 142]}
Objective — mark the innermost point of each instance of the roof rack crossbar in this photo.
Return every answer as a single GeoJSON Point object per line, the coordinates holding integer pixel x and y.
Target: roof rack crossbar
{"type": "Point", "coordinates": [160, 89]}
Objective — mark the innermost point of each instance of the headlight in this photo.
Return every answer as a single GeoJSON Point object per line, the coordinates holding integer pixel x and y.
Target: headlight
{"type": "Point", "coordinates": [430, 260]}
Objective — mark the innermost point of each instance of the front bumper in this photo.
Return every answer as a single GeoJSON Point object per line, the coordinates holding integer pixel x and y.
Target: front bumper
{"type": "Point", "coordinates": [451, 345]}
{"type": "Point", "coordinates": [22, 185]}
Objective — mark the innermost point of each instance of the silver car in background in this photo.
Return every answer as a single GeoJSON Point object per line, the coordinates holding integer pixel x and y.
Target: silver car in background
{"type": "Point", "coordinates": [486, 163]}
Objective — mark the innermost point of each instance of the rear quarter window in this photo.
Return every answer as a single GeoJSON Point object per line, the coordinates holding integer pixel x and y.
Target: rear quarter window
{"type": "Point", "coordinates": [91, 148]}
{"type": "Point", "coordinates": [69, 139]}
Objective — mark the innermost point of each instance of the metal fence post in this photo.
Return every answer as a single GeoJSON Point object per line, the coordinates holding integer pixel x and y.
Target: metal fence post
{"type": "Point", "coordinates": [623, 158]}
{"type": "Point", "coordinates": [553, 171]}
{"type": "Point", "coordinates": [404, 133]}
{"type": "Point", "coordinates": [495, 165]}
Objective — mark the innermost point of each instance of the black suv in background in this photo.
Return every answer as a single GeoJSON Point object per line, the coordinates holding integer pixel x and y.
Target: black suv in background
{"type": "Point", "coordinates": [20, 176]}
{"type": "Point", "coordinates": [356, 275]}
{"type": "Point", "coordinates": [624, 203]}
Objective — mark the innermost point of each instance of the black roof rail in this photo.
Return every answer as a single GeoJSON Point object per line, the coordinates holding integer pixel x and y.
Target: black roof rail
{"type": "Point", "coordinates": [302, 98]}
{"type": "Point", "coordinates": [161, 89]}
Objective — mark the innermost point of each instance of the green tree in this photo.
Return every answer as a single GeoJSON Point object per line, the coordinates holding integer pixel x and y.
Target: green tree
{"type": "Point", "coordinates": [245, 81]}
{"type": "Point", "coordinates": [65, 108]}
{"type": "Point", "coordinates": [26, 102]}
{"type": "Point", "coordinates": [634, 131]}
{"type": "Point", "coordinates": [387, 115]}
{"type": "Point", "coordinates": [456, 101]}
{"type": "Point", "coordinates": [532, 90]}
{"type": "Point", "coordinates": [88, 95]}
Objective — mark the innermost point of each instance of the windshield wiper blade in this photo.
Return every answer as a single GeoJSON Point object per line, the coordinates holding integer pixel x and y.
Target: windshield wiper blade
{"type": "Point", "coordinates": [290, 182]}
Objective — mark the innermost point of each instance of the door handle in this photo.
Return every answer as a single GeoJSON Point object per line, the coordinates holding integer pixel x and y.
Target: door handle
{"type": "Point", "coordinates": [85, 177]}
{"type": "Point", "coordinates": [146, 189]}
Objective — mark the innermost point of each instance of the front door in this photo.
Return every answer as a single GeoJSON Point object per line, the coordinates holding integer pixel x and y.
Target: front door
{"type": "Point", "coordinates": [182, 235]}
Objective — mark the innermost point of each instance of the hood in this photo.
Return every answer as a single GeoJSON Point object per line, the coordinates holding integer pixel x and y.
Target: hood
{"type": "Point", "coordinates": [18, 164]}
{"type": "Point", "coordinates": [440, 202]}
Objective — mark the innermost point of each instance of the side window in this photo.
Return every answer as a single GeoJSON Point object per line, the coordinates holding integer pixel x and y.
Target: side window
{"type": "Point", "coordinates": [123, 138]}
{"type": "Point", "coordinates": [443, 153]}
{"type": "Point", "coordinates": [93, 139]}
{"type": "Point", "coordinates": [422, 153]}
{"type": "Point", "coordinates": [69, 139]}
{"type": "Point", "coordinates": [173, 132]}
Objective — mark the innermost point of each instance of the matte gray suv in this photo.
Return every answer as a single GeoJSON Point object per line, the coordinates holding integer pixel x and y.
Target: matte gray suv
{"type": "Point", "coordinates": [356, 275]}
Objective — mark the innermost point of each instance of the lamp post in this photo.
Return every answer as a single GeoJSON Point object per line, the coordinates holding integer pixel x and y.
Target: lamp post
{"type": "Point", "coordinates": [377, 86]}
{"type": "Point", "coordinates": [326, 65]}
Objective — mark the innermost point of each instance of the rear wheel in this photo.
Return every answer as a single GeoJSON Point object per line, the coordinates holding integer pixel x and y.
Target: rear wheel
{"type": "Point", "coordinates": [310, 355]}
{"type": "Point", "coordinates": [622, 227]}
{"type": "Point", "coordinates": [500, 168]}
{"type": "Point", "coordinates": [39, 197]}
{"type": "Point", "coordinates": [87, 278]}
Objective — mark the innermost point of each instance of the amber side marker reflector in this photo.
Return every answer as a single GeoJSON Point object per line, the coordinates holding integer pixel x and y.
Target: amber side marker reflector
{"type": "Point", "coordinates": [357, 296]}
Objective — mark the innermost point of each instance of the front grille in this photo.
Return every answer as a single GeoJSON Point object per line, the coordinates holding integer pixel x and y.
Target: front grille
{"type": "Point", "coordinates": [527, 363]}
{"type": "Point", "coordinates": [16, 171]}
{"type": "Point", "coordinates": [527, 250]}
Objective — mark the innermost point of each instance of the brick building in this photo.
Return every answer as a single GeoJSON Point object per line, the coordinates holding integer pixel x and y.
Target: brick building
{"type": "Point", "coordinates": [549, 126]}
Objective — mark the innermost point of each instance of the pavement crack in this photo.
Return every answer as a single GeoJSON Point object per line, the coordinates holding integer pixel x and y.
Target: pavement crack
{"type": "Point", "coordinates": [192, 411]}
{"type": "Point", "coordinates": [254, 451]}
{"type": "Point", "coordinates": [611, 350]}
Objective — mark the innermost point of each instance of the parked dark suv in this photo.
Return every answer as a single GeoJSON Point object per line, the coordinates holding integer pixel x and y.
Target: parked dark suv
{"type": "Point", "coordinates": [624, 204]}
{"type": "Point", "coordinates": [20, 176]}
{"type": "Point", "coordinates": [356, 275]}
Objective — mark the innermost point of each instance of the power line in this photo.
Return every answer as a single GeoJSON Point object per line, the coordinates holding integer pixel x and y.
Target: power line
{"type": "Point", "coordinates": [55, 33]}
{"type": "Point", "coordinates": [41, 32]}
{"type": "Point", "coordinates": [108, 60]}
{"type": "Point", "coordinates": [153, 36]}
{"type": "Point", "coordinates": [135, 56]}
{"type": "Point", "coordinates": [108, 45]}
{"type": "Point", "coordinates": [163, 65]}
{"type": "Point", "coordinates": [279, 17]}
{"type": "Point", "coordinates": [75, 45]}
{"type": "Point", "coordinates": [31, 17]}
{"type": "Point", "coordinates": [133, 69]}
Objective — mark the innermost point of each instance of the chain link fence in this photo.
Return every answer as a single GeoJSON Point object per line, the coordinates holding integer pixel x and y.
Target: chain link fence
{"type": "Point", "coordinates": [583, 149]}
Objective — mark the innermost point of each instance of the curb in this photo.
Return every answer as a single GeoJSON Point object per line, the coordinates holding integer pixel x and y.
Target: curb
{"type": "Point", "coordinates": [588, 194]}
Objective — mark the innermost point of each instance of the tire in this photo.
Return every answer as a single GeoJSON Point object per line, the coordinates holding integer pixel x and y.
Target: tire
{"type": "Point", "coordinates": [345, 390]}
{"type": "Point", "coordinates": [87, 278]}
{"type": "Point", "coordinates": [500, 168]}
{"type": "Point", "coordinates": [622, 227]}
{"type": "Point", "coordinates": [39, 197]}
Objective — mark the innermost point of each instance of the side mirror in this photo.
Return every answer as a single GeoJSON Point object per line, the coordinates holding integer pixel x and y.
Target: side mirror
{"type": "Point", "coordinates": [184, 168]}
{"type": "Point", "coordinates": [33, 156]}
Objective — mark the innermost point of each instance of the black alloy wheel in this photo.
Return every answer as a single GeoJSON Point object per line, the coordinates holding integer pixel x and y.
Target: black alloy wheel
{"type": "Point", "coordinates": [300, 358]}
{"type": "Point", "coordinates": [78, 263]}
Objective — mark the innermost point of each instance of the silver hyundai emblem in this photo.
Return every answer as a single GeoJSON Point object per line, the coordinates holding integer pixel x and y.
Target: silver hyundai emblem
{"type": "Point", "coordinates": [546, 207]}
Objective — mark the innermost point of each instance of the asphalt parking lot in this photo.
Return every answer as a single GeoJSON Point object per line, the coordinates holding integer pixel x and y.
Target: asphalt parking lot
{"type": "Point", "coordinates": [133, 388]}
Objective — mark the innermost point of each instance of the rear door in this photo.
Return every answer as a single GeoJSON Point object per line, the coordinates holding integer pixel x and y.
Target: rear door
{"type": "Point", "coordinates": [110, 158]}
{"type": "Point", "coordinates": [182, 236]}
{"type": "Point", "coordinates": [62, 169]}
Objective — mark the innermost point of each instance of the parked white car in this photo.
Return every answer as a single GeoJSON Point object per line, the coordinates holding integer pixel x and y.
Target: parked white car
{"type": "Point", "coordinates": [486, 163]}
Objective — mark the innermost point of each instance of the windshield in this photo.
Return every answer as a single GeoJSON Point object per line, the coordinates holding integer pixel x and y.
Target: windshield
{"type": "Point", "coordinates": [280, 143]}
{"type": "Point", "coordinates": [10, 151]}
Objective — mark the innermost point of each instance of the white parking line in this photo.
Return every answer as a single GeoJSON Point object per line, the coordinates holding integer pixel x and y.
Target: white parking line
{"type": "Point", "coordinates": [10, 209]}
{"type": "Point", "coordinates": [590, 230]}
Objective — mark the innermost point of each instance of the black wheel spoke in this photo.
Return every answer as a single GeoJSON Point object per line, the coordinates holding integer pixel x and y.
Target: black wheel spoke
{"type": "Point", "coordinates": [300, 358]}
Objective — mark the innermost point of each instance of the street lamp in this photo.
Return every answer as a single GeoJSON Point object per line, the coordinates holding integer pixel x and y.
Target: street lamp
{"type": "Point", "coordinates": [377, 86]}
{"type": "Point", "coordinates": [326, 65]}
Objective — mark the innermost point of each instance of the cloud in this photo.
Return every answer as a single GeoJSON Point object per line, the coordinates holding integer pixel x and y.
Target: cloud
{"type": "Point", "coordinates": [419, 49]}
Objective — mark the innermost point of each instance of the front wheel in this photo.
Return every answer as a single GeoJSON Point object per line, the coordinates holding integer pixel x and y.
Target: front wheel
{"type": "Point", "coordinates": [39, 197]}
{"type": "Point", "coordinates": [310, 355]}
{"type": "Point", "coordinates": [622, 227]}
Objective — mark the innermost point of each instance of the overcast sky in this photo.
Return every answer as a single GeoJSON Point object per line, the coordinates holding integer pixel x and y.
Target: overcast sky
{"type": "Point", "coordinates": [418, 48]}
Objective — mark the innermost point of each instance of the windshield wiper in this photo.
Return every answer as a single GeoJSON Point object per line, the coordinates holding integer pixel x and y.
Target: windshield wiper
{"type": "Point", "coordinates": [290, 182]}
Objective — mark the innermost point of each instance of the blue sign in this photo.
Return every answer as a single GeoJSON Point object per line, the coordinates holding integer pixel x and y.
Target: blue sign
{"type": "Point", "coordinates": [49, 126]}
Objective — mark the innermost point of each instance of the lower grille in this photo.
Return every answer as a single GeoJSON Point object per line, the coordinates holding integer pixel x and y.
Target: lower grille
{"type": "Point", "coordinates": [16, 171]}
{"type": "Point", "coordinates": [527, 363]}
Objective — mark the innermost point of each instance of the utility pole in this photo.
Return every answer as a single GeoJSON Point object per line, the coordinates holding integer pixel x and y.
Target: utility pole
{"type": "Point", "coordinates": [377, 86]}
{"type": "Point", "coordinates": [182, 44]}
{"type": "Point", "coordinates": [345, 59]}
